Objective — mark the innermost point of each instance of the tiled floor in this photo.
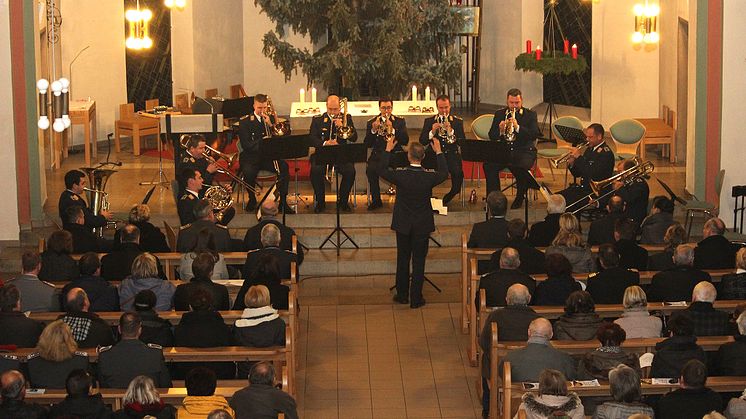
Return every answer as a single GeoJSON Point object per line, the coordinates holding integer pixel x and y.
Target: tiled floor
{"type": "Point", "coordinates": [385, 361]}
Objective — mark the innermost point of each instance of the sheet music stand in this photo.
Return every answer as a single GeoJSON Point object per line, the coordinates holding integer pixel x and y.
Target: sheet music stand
{"type": "Point", "coordinates": [340, 154]}
{"type": "Point", "coordinates": [572, 135]}
{"type": "Point", "coordinates": [283, 148]}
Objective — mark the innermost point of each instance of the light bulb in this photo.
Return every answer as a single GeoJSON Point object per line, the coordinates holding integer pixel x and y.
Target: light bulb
{"type": "Point", "coordinates": [132, 15]}
{"type": "Point", "coordinates": [65, 83]}
{"type": "Point", "coordinates": [653, 10]}
{"type": "Point", "coordinates": [130, 42]}
{"type": "Point", "coordinates": [146, 15]}
{"type": "Point", "coordinates": [638, 10]}
{"type": "Point", "coordinates": [56, 87]}
{"type": "Point", "coordinates": [43, 122]}
{"type": "Point", "coordinates": [181, 4]}
{"type": "Point", "coordinates": [66, 120]}
{"type": "Point", "coordinates": [637, 37]}
{"type": "Point", "coordinates": [169, 3]}
{"type": "Point", "coordinates": [654, 37]}
{"type": "Point", "coordinates": [58, 125]}
{"type": "Point", "coordinates": [147, 42]}
{"type": "Point", "coordinates": [43, 85]}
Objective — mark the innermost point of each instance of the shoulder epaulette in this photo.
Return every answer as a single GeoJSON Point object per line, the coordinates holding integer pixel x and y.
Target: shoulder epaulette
{"type": "Point", "coordinates": [104, 348]}
{"type": "Point", "coordinates": [155, 346]}
{"type": "Point", "coordinates": [184, 227]}
{"type": "Point", "coordinates": [592, 274]}
{"type": "Point", "coordinates": [456, 117]}
{"type": "Point", "coordinates": [32, 355]}
{"type": "Point", "coordinates": [428, 170]}
{"type": "Point", "coordinates": [401, 168]}
{"type": "Point", "coordinates": [633, 270]}
{"type": "Point", "coordinates": [222, 226]}
{"type": "Point", "coordinates": [372, 119]}
{"type": "Point", "coordinates": [9, 357]}
{"type": "Point", "coordinates": [48, 283]}
{"type": "Point", "coordinates": [81, 353]}
{"type": "Point", "coordinates": [253, 250]}
{"type": "Point", "coordinates": [187, 196]}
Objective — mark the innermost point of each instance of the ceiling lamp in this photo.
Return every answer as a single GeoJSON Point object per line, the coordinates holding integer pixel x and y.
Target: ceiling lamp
{"type": "Point", "coordinates": [139, 22]}
{"type": "Point", "coordinates": [646, 23]}
{"type": "Point", "coordinates": [178, 4]}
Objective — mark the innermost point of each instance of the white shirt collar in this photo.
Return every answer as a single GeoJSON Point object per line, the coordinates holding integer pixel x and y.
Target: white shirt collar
{"type": "Point", "coordinates": [193, 193]}
{"type": "Point", "coordinates": [740, 271]}
{"type": "Point", "coordinates": [415, 164]}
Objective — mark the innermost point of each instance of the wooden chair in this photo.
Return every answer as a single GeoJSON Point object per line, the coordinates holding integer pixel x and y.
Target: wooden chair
{"type": "Point", "coordinates": [135, 126]}
{"type": "Point", "coordinates": [627, 135]}
{"type": "Point", "coordinates": [170, 236]}
{"type": "Point", "coordinates": [209, 93]}
{"type": "Point", "coordinates": [237, 91]}
{"type": "Point", "coordinates": [182, 103]}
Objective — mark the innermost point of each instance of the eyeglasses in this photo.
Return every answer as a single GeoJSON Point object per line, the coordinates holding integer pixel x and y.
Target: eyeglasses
{"type": "Point", "coordinates": [387, 108]}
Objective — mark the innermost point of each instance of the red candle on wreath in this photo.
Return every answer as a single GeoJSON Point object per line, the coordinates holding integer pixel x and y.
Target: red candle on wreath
{"type": "Point", "coordinates": [538, 53]}
{"type": "Point", "coordinates": [567, 47]}
{"type": "Point", "coordinates": [528, 46]}
{"type": "Point", "coordinates": [574, 51]}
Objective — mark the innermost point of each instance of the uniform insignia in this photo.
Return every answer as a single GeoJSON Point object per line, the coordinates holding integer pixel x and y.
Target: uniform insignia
{"type": "Point", "coordinates": [592, 274]}
{"type": "Point", "coordinates": [252, 117]}
{"type": "Point", "coordinates": [184, 227]}
{"type": "Point", "coordinates": [32, 355]}
{"type": "Point", "coordinates": [326, 119]}
{"type": "Point", "coordinates": [428, 170]}
{"type": "Point", "coordinates": [402, 168]}
{"type": "Point", "coordinates": [74, 197]}
{"type": "Point", "coordinates": [458, 118]}
{"type": "Point", "coordinates": [520, 111]}
{"type": "Point", "coordinates": [9, 357]}
{"type": "Point", "coordinates": [81, 353]}
{"type": "Point", "coordinates": [155, 346]}
{"type": "Point", "coordinates": [221, 226]}
{"type": "Point", "coordinates": [450, 118]}
{"type": "Point", "coordinates": [104, 348]}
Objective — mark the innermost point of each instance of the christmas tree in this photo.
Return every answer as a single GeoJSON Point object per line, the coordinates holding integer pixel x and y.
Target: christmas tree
{"type": "Point", "coordinates": [380, 47]}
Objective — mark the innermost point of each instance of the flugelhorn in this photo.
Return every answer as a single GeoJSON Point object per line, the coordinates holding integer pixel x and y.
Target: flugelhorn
{"type": "Point", "coordinates": [509, 130]}
{"type": "Point", "coordinates": [556, 162]}
{"type": "Point", "coordinates": [281, 127]}
{"type": "Point", "coordinates": [448, 137]}
{"type": "Point", "coordinates": [344, 132]}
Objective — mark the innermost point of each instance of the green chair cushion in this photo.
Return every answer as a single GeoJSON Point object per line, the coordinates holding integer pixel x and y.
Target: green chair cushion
{"type": "Point", "coordinates": [695, 205]}
{"type": "Point", "coordinates": [481, 126]}
{"type": "Point", "coordinates": [627, 131]}
{"type": "Point", "coordinates": [549, 153]}
{"type": "Point", "coordinates": [567, 121]}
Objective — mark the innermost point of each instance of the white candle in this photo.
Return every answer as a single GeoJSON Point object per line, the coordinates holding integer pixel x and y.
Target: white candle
{"type": "Point", "coordinates": [414, 93]}
{"type": "Point", "coordinates": [427, 94]}
{"type": "Point", "coordinates": [302, 96]}
{"type": "Point", "coordinates": [313, 95]}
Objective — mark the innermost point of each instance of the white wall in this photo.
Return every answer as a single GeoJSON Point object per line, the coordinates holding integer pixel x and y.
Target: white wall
{"type": "Point", "coordinates": [668, 27]}
{"type": "Point", "coordinates": [218, 45]}
{"type": "Point", "coordinates": [734, 96]}
{"type": "Point", "coordinates": [182, 50]}
{"type": "Point", "coordinates": [9, 227]}
{"type": "Point", "coordinates": [625, 77]}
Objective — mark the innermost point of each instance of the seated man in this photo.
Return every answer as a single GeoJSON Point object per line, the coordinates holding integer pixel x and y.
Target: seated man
{"type": "Point", "coordinates": [635, 194]}
{"type": "Point", "coordinates": [261, 398]}
{"type": "Point", "coordinates": [608, 285]}
{"type": "Point", "coordinates": [89, 330]}
{"type": "Point", "coordinates": [602, 229]}
{"type": "Point", "coordinates": [117, 265]}
{"type": "Point", "coordinates": [205, 218]}
{"type": "Point", "coordinates": [707, 321]}
{"type": "Point", "coordinates": [532, 259]}
{"type": "Point", "coordinates": [201, 399]}
{"type": "Point", "coordinates": [731, 357]}
{"type": "Point", "coordinates": [672, 353]}
{"type": "Point", "coordinates": [84, 240]}
{"type": "Point", "coordinates": [270, 244]}
{"type": "Point", "coordinates": [692, 399]}
{"type": "Point", "coordinates": [37, 294]}
{"type": "Point", "coordinates": [733, 286]}
{"type": "Point", "coordinates": [376, 131]}
{"type": "Point", "coordinates": [493, 233]}
{"type": "Point", "coordinates": [115, 366]}
{"type": "Point", "coordinates": [630, 254]}
{"type": "Point", "coordinates": [75, 181]}
{"type": "Point", "coordinates": [543, 233]}
{"type": "Point", "coordinates": [80, 402]}
{"type": "Point", "coordinates": [13, 392]}
{"type": "Point", "coordinates": [655, 225]}
{"type": "Point", "coordinates": [202, 267]}
{"type": "Point", "coordinates": [677, 284]}
{"type": "Point", "coordinates": [497, 282]}
{"type": "Point", "coordinates": [15, 327]}
{"type": "Point", "coordinates": [714, 251]}
{"type": "Point", "coordinates": [102, 295]}
{"type": "Point", "coordinates": [252, 240]}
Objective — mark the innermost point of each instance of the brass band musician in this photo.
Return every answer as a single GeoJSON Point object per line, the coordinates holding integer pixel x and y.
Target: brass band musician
{"type": "Point", "coordinates": [193, 156]}
{"type": "Point", "coordinates": [379, 131]}
{"type": "Point", "coordinates": [596, 163]}
{"type": "Point", "coordinates": [75, 181]}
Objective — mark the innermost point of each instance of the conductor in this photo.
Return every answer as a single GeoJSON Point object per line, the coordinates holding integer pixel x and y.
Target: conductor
{"type": "Point", "coordinates": [413, 215]}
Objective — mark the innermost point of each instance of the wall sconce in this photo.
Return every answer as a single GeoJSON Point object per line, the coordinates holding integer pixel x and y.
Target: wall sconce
{"type": "Point", "coordinates": [59, 106]}
{"type": "Point", "coordinates": [139, 22]}
{"type": "Point", "coordinates": [646, 23]}
{"type": "Point", "coordinates": [179, 4]}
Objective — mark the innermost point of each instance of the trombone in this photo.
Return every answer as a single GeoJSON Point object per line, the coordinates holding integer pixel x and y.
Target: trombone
{"type": "Point", "coordinates": [639, 170]}
{"type": "Point", "coordinates": [212, 156]}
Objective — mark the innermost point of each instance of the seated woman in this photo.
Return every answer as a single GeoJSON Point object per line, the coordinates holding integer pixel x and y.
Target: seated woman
{"type": "Point", "coordinates": [733, 286]}
{"type": "Point", "coordinates": [553, 399]}
{"type": "Point", "coordinates": [660, 261]}
{"type": "Point", "coordinates": [559, 284]}
{"type": "Point", "coordinates": [56, 355]}
{"type": "Point", "coordinates": [599, 362]}
{"type": "Point", "coordinates": [624, 384]}
{"type": "Point", "coordinates": [205, 244]}
{"type": "Point", "coordinates": [636, 320]}
{"type": "Point", "coordinates": [56, 263]}
{"type": "Point", "coordinates": [202, 267]}
{"type": "Point", "coordinates": [673, 353]}
{"type": "Point", "coordinates": [580, 321]}
{"type": "Point", "coordinates": [260, 326]}
{"type": "Point", "coordinates": [736, 407]}
{"type": "Point", "coordinates": [569, 242]}
{"type": "Point", "coordinates": [266, 272]}
{"type": "Point", "coordinates": [152, 238]}
{"type": "Point", "coordinates": [142, 400]}
{"type": "Point", "coordinates": [145, 277]}
{"type": "Point", "coordinates": [154, 328]}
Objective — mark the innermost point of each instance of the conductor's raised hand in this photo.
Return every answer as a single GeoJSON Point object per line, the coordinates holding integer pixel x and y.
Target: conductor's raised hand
{"type": "Point", "coordinates": [436, 146]}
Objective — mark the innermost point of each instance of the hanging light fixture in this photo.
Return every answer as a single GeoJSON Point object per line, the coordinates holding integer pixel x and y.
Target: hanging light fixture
{"type": "Point", "coordinates": [139, 23]}
{"type": "Point", "coordinates": [178, 4]}
{"type": "Point", "coordinates": [646, 23]}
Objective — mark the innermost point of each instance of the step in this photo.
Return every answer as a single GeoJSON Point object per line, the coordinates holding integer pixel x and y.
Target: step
{"type": "Point", "coordinates": [373, 261]}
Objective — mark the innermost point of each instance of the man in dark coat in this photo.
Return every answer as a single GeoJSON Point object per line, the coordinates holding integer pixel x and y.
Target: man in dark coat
{"type": "Point", "coordinates": [677, 284]}
{"type": "Point", "coordinates": [608, 285]}
{"type": "Point", "coordinates": [75, 181]}
{"type": "Point", "coordinates": [655, 225]}
{"type": "Point", "coordinates": [543, 232]}
{"type": "Point", "coordinates": [596, 163]}
{"type": "Point", "coordinates": [532, 259]}
{"type": "Point", "coordinates": [635, 194]}
{"type": "Point", "coordinates": [493, 233]}
{"type": "Point", "coordinates": [602, 229]}
{"type": "Point", "coordinates": [80, 403]}
{"type": "Point", "coordinates": [261, 398]}
{"type": "Point", "coordinates": [412, 219]}
{"type": "Point", "coordinates": [497, 282]}
{"type": "Point", "coordinates": [631, 255]}
{"type": "Point", "coordinates": [692, 399]}
{"type": "Point", "coordinates": [205, 219]}
{"type": "Point", "coordinates": [672, 353]}
{"type": "Point", "coordinates": [117, 265]}
{"type": "Point", "coordinates": [270, 245]}
{"type": "Point", "coordinates": [84, 240]}
{"type": "Point", "coordinates": [714, 251]}
{"type": "Point", "coordinates": [13, 404]}
{"type": "Point", "coordinates": [102, 295]}
{"type": "Point", "coordinates": [15, 327]}
{"type": "Point", "coordinates": [253, 238]}
{"type": "Point", "coordinates": [731, 357]}
{"type": "Point", "coordinates": [202, 267]}
{"type": "Point", "coordinates": [707, 321]}
{"type": "Point", "coordinates": [89, 330]}
{"type": "Point", "coordinates": [375, 139]}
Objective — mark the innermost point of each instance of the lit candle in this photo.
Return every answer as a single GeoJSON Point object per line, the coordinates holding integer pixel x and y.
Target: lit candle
{"type": "Point", "coordinates": [313, 95]}
{"type": "Point", "coordinates": [302, 96]}
{"type": "Point", "coordinates": [427, 94]}
{"type": "Point", "coordinates": [538, 53]}
{"type": "Point", "coordinates": [567, 47]}
{"type": "Point", "coordinates": [574, 51]}
{"type": "Point", "coordinates": [414, 93]}
{"type": "Point", "coordinates": [528, 46]}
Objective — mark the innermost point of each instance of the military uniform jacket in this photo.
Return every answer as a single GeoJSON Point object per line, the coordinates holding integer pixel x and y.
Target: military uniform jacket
{"type": "Point", "coordinates": [119, 364]}
{"type": "Point", "coordinates": [413, 213]}
{"type": "Point", "coordinates": [70, 199]}
{"type": "Point", "coordinates": [457, 124]}
{"type": "Point", "coordinates": [596, 163]}
{"type": "Point", "coordinates": [188, 236]}
{"type": "Point", "coordinates": [528, 130]}
{"type": "Point", "coordinates": [251, 129]}
{"type": "Point", "coordinates": [185, 207]}
{"type": "Point", "coordinates": [636, 196]}
{"type": "Point", "coordinates": [378, 143]}
{"type": "Point", "coordinates": [187, 160]}
{"type": "Point", "coordinates": [323, 129]}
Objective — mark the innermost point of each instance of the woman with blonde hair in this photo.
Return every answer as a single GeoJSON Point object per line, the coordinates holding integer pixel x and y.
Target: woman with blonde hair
{"type": "Point", "coordinates": [142, 400]}
{"type": "Point", "coordinates": [145, 277]}
{"type": "Point", "coordinates": [152, 238]}
{"type": "Point", "coordinates": [260, 325]}
{"type": "Point", "coordinates": [636, 320]}
{"type": "Point", "coordinates": [55, 356]}
{"type": "Point", "coordinates": [660, 261]}
{"type": "Point", "coordinates": [569, 242]}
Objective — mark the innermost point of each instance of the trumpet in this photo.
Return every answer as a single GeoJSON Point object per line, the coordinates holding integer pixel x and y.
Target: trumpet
{"type": "Point", "coordinates": [556, 162]}
{"type": "Point", "coordinates": [508, 131]}
{"type": "Point", "coordinates": [448, 137]}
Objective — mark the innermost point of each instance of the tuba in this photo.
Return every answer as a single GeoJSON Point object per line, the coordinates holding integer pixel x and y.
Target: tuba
{"type": "Point", "coordinates": [509, 131]}
{"type": "Point", "coordinates": [281, 127]}
{"type": "Point", "coordinates": [448, 137]}
{"type": "Point", "coordinates": [344, 132]}
{"type": "Point", "coordinates": [98, 198]}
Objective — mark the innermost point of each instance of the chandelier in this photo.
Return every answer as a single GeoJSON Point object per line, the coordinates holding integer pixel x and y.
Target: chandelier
{"type": "Point", "coordinates": [139, 22]}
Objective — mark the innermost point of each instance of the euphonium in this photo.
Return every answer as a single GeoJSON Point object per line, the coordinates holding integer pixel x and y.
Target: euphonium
{"type": "Point", "coordinates": [98, 198]}
{"type": "Point", "coordinates": [344, 132]}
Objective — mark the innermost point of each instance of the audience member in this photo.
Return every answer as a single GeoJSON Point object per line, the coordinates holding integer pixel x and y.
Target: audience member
{"type": "Point", "coordinates": [201, 399]}
{"type": "Point", "coordinates": [117, 265]}
{"type": "Point", "coordinates": [675, 236]}
{"type": "Point", "coordinates": [602, 229]}
{"type": "Point", "coordinates": [154, 328]}
{"type": "Point", "coordinates": [55, 356]}
{"type": "Point", "coordinates": [115, 366]}
{"type": "Point", "coordinates": [265, 272]}
{"type": "Point", "coordinates": [205, 220]}
{"type": "Point", "coordinates": [15, 328]}
{"type": "Point", "coordinates": [56, 263]}
{"type": "Point", "coordinates": [677, 284]}
{"type": "Point", "coordinates": [202, 266]}
{"type": "Point", "coordinates": [635, 192]}
{"type": "Point", "coordinates": [84, 240]}
{"type": "Point", "coordinates": [253, 238]}
{"type": "Point", "coordinates": [553, 399]}
{"type": "Point", "coordinates": [569, 243]}
{"type": "Point", "coordinates": [532, 259]}
{"type": "Point", "coordinates": [736, 407]}
{"type": "Point", "coordinates": [142, 400]}
{"type": "Point", "coordinates": [731, 357]}
{"type": "Point", "coordinates": [559, 283]}
{"type": "Point", "coordinates": [152, 238]}
{"type": "Point", "coordinates": [655, 225]}
{"type": "Point", "coordinates": [714, 251]}
{"type": "Point", "coordinates": [145, 277]}
{"type": "Point", "coordinates": [497, 282]}
{"type": "Point", "coordinates": [493, 233]}
{"type": "Point", "coordinates": [624, 385]}
{"type": "Point", "coordinates": [205, 243]}
{"type": "Point", "coordinates": [608, 285]}
{"type": "Point", "coordinates": [220, 414]}
{"type": "Point", "coordinates": [261, 398]}
{"type": "Point", "coordinates": [543, 233]}
{"type": "Point", "coordinates": [580, 321]}
{"type": "Point", "coordinates": [37, 295]}
{"type": "Point", "coordinates": [270, 245]}
{"type": "Point", "coordinates": [9, 362]}
{"type": "Point", "coordinates": [88, 330]}
{"type": "Point", "coordinates": [636, 320]}
{"type": "Point", "coordinates": [79, 402]}
{"type": "Point", "coordinates": [260, 326]}
{"type": "Point", "coordinates": [672, 353]}
{"type": "Point", "coordinates": [692, 399]}
{"type": "Point", "coordinates": [13, 393]}
{"type": "Point", "coordinates": [631, 255]}
{"type": "Point", "coordinates": [733, 286]}
{"type": "Point", "coordinates": [102, 295]}
{"type": "Point", "coordinates": [599, 362]}
{"type": "Point", "coordinates": [707, 321]}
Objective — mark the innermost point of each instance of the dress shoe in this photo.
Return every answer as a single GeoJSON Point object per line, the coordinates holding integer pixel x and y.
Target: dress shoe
{"type": "Point", "coordinates": [401, 300]}
{"type": "Point", "coordinates": [344, 207]}
{"type": "Point", "coordinates": [318, 208]}
{"type": "Point", "coordinates": [447, 198]}
{"type": "Point", "coordinates": [417, 304]}
{"type": "Point", "coordinates": [517, 203]}
{"type": "Point", "coordinates": [375, 205]}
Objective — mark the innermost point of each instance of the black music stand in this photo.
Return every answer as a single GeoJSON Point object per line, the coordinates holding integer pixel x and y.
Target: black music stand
{"type": "Point", "coordinates": [283, 148]}
{"type": "Point", "coordinates": [340, 154]}
{"type": "Point", "coordinates": [572, 135]}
